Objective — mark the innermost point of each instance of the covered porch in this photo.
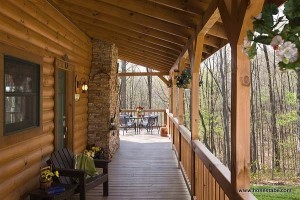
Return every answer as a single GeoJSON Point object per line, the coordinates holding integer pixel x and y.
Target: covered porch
{"type": "Point", "coordinates": [144, 168]}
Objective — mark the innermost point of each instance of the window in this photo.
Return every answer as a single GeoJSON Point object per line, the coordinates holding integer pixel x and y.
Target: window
{"type": "Point", "coordinates": [21, 94]}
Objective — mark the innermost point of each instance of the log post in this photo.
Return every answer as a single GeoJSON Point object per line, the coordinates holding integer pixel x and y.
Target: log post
{"type": "Point", "coordinates": [195, 60]}
{"type": "Point", "coordinates": [237, 19]}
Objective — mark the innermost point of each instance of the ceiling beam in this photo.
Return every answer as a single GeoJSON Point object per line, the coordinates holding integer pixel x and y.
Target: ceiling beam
{"type": "Point", "coordinates": [137, 55]}
{"type": "Point", "coordinates": [197, 7]}
{"type": "Point", "coordinates": [144, 63]}
{"type": "Point", "coordinates": [124, 43]}
{"type": "Point", "coordinates": [143, 57]}
{"type": "Point", "coordinates": [211, 11]}
{"type": "Point", "coordinates": [86, 15]}
{"type": "Point", "coordinates": [130, 16]}
{"type": "Point", "coordinates": [157, 11]}
{"type": "Point", "coordinates": [166, 73]}
{"type": "Point", "coordinates": [115, 37]}
{"type": "Point", "coordinates": [218, 31]}
{"type": "Point", "coordinates": [145, 53]}
{"type": "Point", "coordinates": [167, 82]}
{"type": "Point", "coordinates": [129, 33]}
{"type": "Point", "coordinates": [212, 41]}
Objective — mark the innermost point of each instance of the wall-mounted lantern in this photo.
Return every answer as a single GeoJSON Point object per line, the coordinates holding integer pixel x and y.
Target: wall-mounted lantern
{"type": "Point", "coordinates": [80, 84]}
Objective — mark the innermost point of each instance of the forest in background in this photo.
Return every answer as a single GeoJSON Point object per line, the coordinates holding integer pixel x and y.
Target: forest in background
{"type": "Point", "coordinates": [273, 116]}
{"type": "Point", "coordinates": [274, 155]}
{"type": "Point", "coordinates": [147, 91]}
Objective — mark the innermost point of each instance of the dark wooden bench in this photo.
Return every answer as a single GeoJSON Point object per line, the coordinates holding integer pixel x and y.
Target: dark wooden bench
{"type": "Point", "coordinates": [63, 161]}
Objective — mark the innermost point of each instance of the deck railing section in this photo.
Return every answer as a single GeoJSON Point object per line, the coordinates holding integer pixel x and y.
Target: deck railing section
{"type": "Point", "coordinates": [162, 115]}
{"type": "Point", "coordinates": [200, 167]}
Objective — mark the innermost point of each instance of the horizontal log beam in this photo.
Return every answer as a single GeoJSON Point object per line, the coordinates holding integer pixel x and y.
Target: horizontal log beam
{"type": "Point", "coordinates": [99, 26]}
{"type": "Point", "coordinates": [143, 73]}
{"type": "Point", "coordinates": [197, 7]}
{"type": "Point", "coordinates": [151, 55]}
{"type": "Point", "coordinates": [218, 31]}
{"type": "Point", "coordinates": [129, 16]}
{"type": "Point", "coordinates": [144, 63]}
{"type": "Point", "coordinates": [87, 15]}
{"type": "Point", "coordinates": [114, 37]}
{"type": "Point", "coordinates": [142, 55]}
{"type": "Point", "coordinates": [206, 20]}
{"type": "Point", "coordinates": [157, 11]}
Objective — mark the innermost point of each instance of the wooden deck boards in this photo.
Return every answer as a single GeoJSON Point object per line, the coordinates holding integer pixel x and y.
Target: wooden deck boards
{"type": "Point", "coordinates": [144, 167]}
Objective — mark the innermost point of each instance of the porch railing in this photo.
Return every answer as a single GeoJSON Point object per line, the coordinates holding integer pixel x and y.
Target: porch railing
{"type": "Point", "coordinates": [202, 171]}
{"type": "Point", "coordinates": [162, 115]}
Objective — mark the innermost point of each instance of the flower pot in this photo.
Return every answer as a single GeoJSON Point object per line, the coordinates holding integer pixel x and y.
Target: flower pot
{"type": "Point", "coordinates": [187, 86]}
{"type": "Point", "coordinates": [45, 184]}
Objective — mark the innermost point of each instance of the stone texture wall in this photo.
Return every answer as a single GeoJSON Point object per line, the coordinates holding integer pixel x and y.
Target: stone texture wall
{"type": "Point", "coordinates": [103, 106]}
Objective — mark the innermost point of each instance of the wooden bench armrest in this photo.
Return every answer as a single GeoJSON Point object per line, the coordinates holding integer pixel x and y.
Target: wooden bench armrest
{"type": "Point", "coordinates": [71, 172]}
{"type": "Point", "coordinates": [101, 163]}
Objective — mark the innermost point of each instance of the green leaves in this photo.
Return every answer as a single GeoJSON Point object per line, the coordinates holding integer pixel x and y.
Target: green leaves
{"type": "Point", "coordinates": [291, 9]}
{"type": "Point", "coordinates": [267, 14]}
{"type": "Point", "coordinates": [252, 51]}
{"type": "Point", "coordinates": [282, 32]}
{"type": "Point", "coordinates": [263, 39]}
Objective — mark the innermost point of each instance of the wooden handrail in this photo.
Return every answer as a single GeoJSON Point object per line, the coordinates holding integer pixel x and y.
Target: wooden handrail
{"type": "Point", "coordinates": [145, 110]}
{"type": "Point", "coordinates": [218, 171]}
{"type": "Point", "coordinates": [215, 167]}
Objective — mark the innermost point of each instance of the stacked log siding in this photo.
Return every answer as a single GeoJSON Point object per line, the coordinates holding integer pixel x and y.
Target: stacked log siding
{"type": "Point", "coordinates": [37, 28]}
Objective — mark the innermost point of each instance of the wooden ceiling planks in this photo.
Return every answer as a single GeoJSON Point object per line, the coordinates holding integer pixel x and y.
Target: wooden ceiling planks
{"type": "Point", "coordinates": [197, 7]}
{"type": "Point", "coordinates": [154, 33]}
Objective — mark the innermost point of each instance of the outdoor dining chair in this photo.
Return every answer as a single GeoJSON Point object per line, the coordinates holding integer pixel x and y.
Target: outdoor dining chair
{"type": "Point", "coordinates": [147, 123]}
{"type": "Point", "coordinates": [127, 123]}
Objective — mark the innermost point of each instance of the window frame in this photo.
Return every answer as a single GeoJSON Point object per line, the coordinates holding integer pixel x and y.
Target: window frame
{"type": "Point", "coordinates": [35, 57]}
{"type": "Point", "coordinates": [16, 127]}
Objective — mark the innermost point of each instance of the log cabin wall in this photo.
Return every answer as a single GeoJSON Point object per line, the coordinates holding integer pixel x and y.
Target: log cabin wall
{"type": "Point", "coordinates": [35, 29]}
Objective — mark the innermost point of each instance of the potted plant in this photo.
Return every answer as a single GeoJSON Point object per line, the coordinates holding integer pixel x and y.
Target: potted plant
{"type": "Point", "coordinates": [139, 110]}
{"type": "Point", "coordinates": [184, 80]}
{"type": "Point", "coordinates": [46, 175]}
{"type": "Point", "coordinates": [94, 152]}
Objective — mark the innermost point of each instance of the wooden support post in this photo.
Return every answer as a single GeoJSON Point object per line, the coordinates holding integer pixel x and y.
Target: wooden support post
{"type": "Point", "coordinates": [174, 97]}
{"type": "Point", "coordinates": [237, 20]}
{"type": "Point", "coordinates": [195, 54]}
{"type": "Point", "coordinates": [180, 94]}
{"type": "Point", "coordinates": [240, 121]}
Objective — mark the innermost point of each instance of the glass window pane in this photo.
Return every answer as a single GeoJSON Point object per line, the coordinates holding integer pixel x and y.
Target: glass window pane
{"type": "Point", "coordinates": [21, 94]}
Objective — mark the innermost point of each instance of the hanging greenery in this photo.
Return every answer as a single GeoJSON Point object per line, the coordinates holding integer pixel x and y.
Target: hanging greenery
{"type": "Point", "coordinates": [184, 80]}
{"type": "Point", "coordinates": [281, 32]}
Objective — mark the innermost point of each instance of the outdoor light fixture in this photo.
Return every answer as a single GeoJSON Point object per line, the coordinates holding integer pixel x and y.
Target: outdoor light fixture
{"type": "Point", "coordinates": [84, 87]}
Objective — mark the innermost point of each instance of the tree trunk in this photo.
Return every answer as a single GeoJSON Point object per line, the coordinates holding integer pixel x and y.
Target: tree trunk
{"type": "Point", "coordinates": [253, 147]}
{"type": "Point", "coordinates": [225, 109]}
{"type": "Point", "coordinates": [298, 128]}
{"type": "Point", "coordinates": [123, 86]}
{"type": "Point", "coordinates": [149, 85]}
{"type": "Point", "coordinates": [276, 152]}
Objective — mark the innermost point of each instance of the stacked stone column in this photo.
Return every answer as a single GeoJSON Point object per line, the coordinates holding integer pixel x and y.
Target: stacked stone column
{"type": "Point", "coordinates": [103, 105]}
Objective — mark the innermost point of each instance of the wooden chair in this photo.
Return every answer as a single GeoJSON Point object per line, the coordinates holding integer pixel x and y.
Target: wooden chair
{"type": "Point", "coordinates": [63, 161]}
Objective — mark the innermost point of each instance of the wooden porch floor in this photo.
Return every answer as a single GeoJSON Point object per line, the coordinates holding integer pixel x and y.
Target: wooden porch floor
{"type": "Point", "coordinates": [144, 167]}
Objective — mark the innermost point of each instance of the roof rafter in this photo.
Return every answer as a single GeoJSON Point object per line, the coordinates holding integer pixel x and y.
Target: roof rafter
{"type": "Point", "coordinates": [157, 11]}
{"type": "Point", "coordinates": [86, 16]}
{"type": "Point", "coordinates": [115, 36]}
{"type": "Point", "coordinates": [130, 16]}
{"type": "Point", "coordinates": [197, 7]}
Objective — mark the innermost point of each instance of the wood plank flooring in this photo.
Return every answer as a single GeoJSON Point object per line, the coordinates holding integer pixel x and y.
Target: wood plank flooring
{"type": "Point", "coordinates": [144, 167]}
